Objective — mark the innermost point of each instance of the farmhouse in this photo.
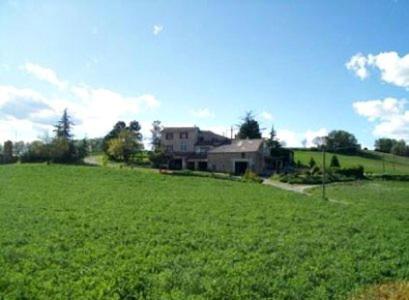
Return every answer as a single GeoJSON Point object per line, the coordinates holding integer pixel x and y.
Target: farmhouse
{"type": "Point", "coordinates": [195, 149]}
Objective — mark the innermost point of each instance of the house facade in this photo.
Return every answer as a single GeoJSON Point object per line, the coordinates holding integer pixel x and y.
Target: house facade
{"type": "Point", "coordinates": [195, 149]}
{"type": "Point", "coordinates": [188, 146]}
{"type": "Point", "coordinates": [239, 156]}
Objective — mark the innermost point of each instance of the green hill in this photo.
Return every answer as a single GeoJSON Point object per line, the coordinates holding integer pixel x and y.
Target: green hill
{"type": "Point", "coordinates": [372, 161]}
{"type": "Point", "coordinates": [70, 232]}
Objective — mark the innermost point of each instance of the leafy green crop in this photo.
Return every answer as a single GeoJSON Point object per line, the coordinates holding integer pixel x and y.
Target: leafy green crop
{"type": "Point", "coordinates": [101, 233]}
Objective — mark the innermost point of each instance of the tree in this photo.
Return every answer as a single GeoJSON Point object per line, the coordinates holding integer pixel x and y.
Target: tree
{"type": "Point", "coordinates": [159, 158]}
{"type": "Point", "coordinates": [63, 127]}
{"type": "Point", "coordinates": [249, 128]}
{"type": "Point", "coordinates": [272, 141]}
{"type": "Point", "coordinates": [400, 148]}
{"type": "Point", "coordinates": [19, 148]}
{"type": "Point", "coordinates": [312, 163]}
{"type": "Point", "coordinates": [123, 141]}
{"type": "Point", "coordinates": [8, 152]}
{"type": "Point", "coordinates": [319, 141]}
{"type": "Point", "coordinates": [37, 151]}
{"type": "Point", "coordinates": [342, 141]}
{"type": "Point", "coordinates": [82, 148]}
{"type": "Point", "coordinates": [62, 150]}
{"type": "Point", "coordinates": [118, 127]}
{"type": "Point", "coordinates": [385, 145]}
{"type": "Point", "coordinates": [156, 135]}
{"type": "Point", "coordinates": [8, 149]}
{"type": "Point", "coordinates": [334, 162]}
{"type": "Point", "coordinates": [124, 146]}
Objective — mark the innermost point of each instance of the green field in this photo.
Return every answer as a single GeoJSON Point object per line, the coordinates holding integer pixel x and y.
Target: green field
{"type": "Point", "coordinates": [71, 232]}
{"type": "Point", "coordinates": [373, 162]}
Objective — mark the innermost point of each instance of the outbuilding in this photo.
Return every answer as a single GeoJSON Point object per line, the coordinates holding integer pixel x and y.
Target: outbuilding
{"type": "Point", "coordinates": [239, 156]}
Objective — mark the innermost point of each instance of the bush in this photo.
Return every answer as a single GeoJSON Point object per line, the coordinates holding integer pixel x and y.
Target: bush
{"type": "Point", "coordinates": [158, 159]}
{"type": "Point", "coordinates": [250, 176]}
{"type": "Point", "coordinates": [37, 152]}
{"type": "Point", "coordinates": [355, 172]}
{"type": "Point", "coordinates": [334, 162]}
{"type": "Point", "coordinates": [312, 163]}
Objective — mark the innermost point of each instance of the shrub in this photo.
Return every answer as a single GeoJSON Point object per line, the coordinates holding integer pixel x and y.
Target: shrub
{"type": "Point", "coordinates": [312, 163]}
{"type": "Point", "coordinates": [355, 172]}
{"type": "Point", "coordinates": [335, 162]}
{"type": "Point", "coordinates": [158, 159]}
{"type": "Point", "coordinates": [251, 177]}
{"type": "Point", "coordinates": [105, 160]}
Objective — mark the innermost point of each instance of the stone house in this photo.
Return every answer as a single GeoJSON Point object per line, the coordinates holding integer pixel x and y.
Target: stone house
{"type": "Point", "coordinates": [195, 149]}
{"type": "Point", "coordinates": [188, 146]}
{"type": "Point", "coordinates": [239, 156]}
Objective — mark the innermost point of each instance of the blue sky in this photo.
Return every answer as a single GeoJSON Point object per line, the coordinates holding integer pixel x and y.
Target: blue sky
{"type": "Point", "coordinates": [305, 66]}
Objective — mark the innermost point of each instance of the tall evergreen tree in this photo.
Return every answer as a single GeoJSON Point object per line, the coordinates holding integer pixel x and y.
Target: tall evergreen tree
{"type": "Point", "coordinates": [272, 141]}
{"type": "Point", "coordinates": [63, 127]}
{"type": "Point", "coordinates": [156, 135]}
{"type": "Point", "coordinates": [249, 128]}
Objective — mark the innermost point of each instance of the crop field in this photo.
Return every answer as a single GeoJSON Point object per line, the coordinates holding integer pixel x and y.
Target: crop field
{"type": "Point", "coordinates": [373, 162]}
{"type": "Point", "coordinates": [70, 232]}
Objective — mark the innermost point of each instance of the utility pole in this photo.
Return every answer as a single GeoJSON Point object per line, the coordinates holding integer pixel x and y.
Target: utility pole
{"type": "Point", "coordinates": [323, 173]}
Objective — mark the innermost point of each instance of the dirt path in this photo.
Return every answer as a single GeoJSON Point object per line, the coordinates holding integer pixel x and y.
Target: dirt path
{"type": "Point", "coordinates": [297, 188]}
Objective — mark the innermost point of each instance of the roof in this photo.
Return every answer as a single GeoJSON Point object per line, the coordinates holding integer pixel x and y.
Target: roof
{"type": "Point", "coordinates": [239, 146]}
{"type": "Point", "coordinates": [180, 128]}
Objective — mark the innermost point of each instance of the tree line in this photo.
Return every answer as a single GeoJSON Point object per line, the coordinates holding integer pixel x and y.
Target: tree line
{"type": "Point", "coordinates": [124, 143]}
{"type": "Point", "coordinates": [392, 146]}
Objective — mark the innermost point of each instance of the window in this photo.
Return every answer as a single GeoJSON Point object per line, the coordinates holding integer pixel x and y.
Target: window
{"type": "Point", "coordinates": [169, 148]}
{"type": "Point", "coordinates": [169, 136]}
{"type": "Point", "coordinates": [184, 135]}
{"type": "Point", "coordinates": [183, 147]}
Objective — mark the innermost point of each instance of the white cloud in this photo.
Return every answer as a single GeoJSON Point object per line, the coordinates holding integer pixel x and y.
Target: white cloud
{"type": "Point", "coordinates": [95, 110]}
{"type": "Point", "coordinates": [394, 69]}
{"type": "Point", "coordinates": [157, 29]}
{"type": "Point", "coordinates": [267, 116]}
{"type": "Point", "coordinates": [203, 113]}
{"type": "Point", "coordinates": [310, 135]}
{"type": "Point", "coordinates": [288, 138]}
{"type": "Point", "coordinates": [379, 109]}
{"type": "Point", "coordinates": [389, 115]}
{"type": "Point", "coordinates": [44, 74]}
{"type": "Point", "coordinates": [358, 64]}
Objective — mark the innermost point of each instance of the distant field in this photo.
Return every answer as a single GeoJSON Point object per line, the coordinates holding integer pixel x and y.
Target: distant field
{"type": "Point", "coordinates": [372, 161]}
{"type": "Point", "coordinates": [105, 233]}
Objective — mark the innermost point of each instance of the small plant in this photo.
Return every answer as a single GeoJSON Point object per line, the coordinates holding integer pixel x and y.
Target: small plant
{"type": "Point", "coordinates": [251, 176]}
{"type": "Point", "coordinates": [312, 163]}
{"type": "Point", "coordinates": [104, 160]}
{"type": "Point", "coordinates": [335, 162]}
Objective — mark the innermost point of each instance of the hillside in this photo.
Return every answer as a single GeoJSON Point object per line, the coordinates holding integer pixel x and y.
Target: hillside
{"type": "Point", "coordinates": [93, 233]}
{"type": "Point", "coordinates": [372, 161]}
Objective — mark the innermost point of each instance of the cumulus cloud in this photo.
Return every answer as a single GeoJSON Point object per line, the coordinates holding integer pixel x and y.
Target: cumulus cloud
{"type": "Point", "coordinates": [203, 113]}
{"type": "Point", "coordinates": [288, 138]}
{"type": "Point", "coordinates": [390, 116]}
{"type": "Point", "coordinates": [95, 109]}
{"type": "Point", "coordinates": [44, 74]}
{"type": "Point", "coordinates": [394, 69]}
{"type": "Point", "coordinates": [358, 64]}
{"type": "Point", "coordinates": [310, 135]}
{"type": "Point", "coordinates": [157, 29]}
{"type": "Point", "coordinates": [22, 103]}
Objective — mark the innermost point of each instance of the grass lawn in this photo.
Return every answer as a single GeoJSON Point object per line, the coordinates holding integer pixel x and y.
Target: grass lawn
{"type": "Point", "coordinates": [71, 232]}
{"type": "Point", "coordinates": [372, 162]}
